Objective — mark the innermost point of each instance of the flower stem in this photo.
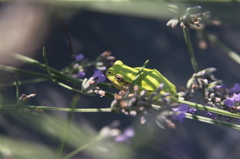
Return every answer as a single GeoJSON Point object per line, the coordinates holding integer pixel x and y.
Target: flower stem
{"type": "Point", "coordinates": [24, 72]}
{"type": "Point", "coordinates": [232, 54]}
{"type": "Point", "coordinates": [86, 110]}
{"type": "Point", "coordinates": [190, 49]}
{"type": "Point", "coordinates": [62, 143]}
{"type": "Point", "coordinates": [46, 63]}
{"type": "Point", "coordinates": [55, 73]}
{"type": "Point", "coordinates": [23, 82]}
{"type": "Point", "coordinates": [17, 87]}
{"type": "Point", "coordinates": [210, 109]}
{"type": "Point", "coordinates": [49, 69]}
{"type": "Point", "coordinates": [212, 121]}
{"type": "Point", "coordinates": [82, 148]}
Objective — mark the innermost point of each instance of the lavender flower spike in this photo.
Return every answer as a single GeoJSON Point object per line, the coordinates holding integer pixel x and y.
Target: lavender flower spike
{"type": "Point", "coordinates": [182, 109]}
{"type": "Point", "coordinates": [231, 101]}
{"type": "Point", "coordinates": [79, 57]}
{"type": "Point", "coordinates": [125, 136]}
{"type": "Point", "coordinates": [235, 89]}
{"type": "Point", "coordinates": [99, 75]}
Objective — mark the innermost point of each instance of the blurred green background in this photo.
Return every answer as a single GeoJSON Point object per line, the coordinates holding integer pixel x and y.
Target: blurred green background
{"type": "Point", "coordinates": [133, 31]}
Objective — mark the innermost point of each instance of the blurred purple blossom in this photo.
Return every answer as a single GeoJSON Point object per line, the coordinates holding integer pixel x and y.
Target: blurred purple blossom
{"type": "Point", "coordinates": [235, 88]}
{"type": "Point", "coordinates": [99, 75]}
{"type": "Point", "coordinates": [192, 110]}
{"type": "Point", "coordinates": [182, 109]}
{"type": "Point", "coordinates": [126, 135]}
{"type": "Point", "coordinates": [221, 86]}
{"type": "Point", "coordinates": [230, 101]}
{"type": "Point", "coordinates": [81, 74]}
{"type": "Point", "coordinates": [236, 97]}
{"type": "Point", "coordinates": [89, 86]}
{"type": "Point", "coordinates": [211, 115]}
{"type": "Point", "coordinates": [79, 57]}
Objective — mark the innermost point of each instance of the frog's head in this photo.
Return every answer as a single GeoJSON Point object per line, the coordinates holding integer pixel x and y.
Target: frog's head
{"type": "Point", "coordinates": [120, 75]}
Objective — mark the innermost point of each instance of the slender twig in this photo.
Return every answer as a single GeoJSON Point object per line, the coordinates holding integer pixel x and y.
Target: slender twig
{"type": "Point", "coordinates": [212, 121]}
{"type": "Point", "coordinates": [232, 54]}
{"type": "Point", "coordinates": [43, 77]}
{"type": "Point", "coordinates": [189, 116]}
{"type": "Point", "coordinates": [46, 63]}
{"type": "Point", "coordinates": [210, 109]}
{"type": "Point", "coordinates": [57, 74]}
{"type": "Point", "coordinates": [43, 67]}
{"type": "Point", "coordinates": [191, 104]}
{"type": "Point", "coordinates": [62, 143]}
{"type": "Point", "coordinates": [17, 88]}
{"type": "Point", "coordinates": [70, 155]}
{"type": "Point", "coordinates": [23, 82]}
{"type": "Point", "coordinates": [190, 49]}
{"type": "Point", "coordinates": [68, 87]}
{"type": "Point", "coordinates": [23, 72]}
{"type": "Point", "coordinates": [86, 110]}
{"type": "Point", "coordinates": [72, 53]}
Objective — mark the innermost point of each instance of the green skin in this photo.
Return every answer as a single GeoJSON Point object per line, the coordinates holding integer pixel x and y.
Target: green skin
{"type": "Point", "coordinates": [122, 77]}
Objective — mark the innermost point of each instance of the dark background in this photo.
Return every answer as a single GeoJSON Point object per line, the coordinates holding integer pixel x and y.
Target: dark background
{"type": "Point", "coordinates": [132, 39]}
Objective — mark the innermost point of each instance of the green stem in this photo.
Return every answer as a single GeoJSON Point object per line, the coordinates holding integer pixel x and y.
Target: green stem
{"type": "Point", "coordinates": [210, 109]}
{"type": "Point", "coordinates": [95, 110]}
{"type": "Point", "coordinates": [190, 49]}
{"type": "Point", "coordinates": [17, 88]}
{"type": "Point", "coordinates": [68, 87]}
{"type": "Point", "coordinates": [54, 71]}
{"type": "Point", "coordinates": [43, 67]}
{"type": "Point", "coordinates": [232, 54]}
{"type": "Point", "coordinates": [191, 104]}
{"type": "Point", "coordinates": [42, 78]}
{"type": "Point", "coordinates": [86, 110]}
{"type": "Point", "coordinates": [82, 148]}
{"type": "Point", "coordinates": [46, 63]}
{"type": "Point", "coordinates": [107, 94]}
{"type": "Point", "coordinates": [62, 144]}
{"type": "Point", "coordinates": [24, 72]}
{"type": "Point", "coordinates": [212, 121]}
{"type": "Point", "coordinates": [23, 82]}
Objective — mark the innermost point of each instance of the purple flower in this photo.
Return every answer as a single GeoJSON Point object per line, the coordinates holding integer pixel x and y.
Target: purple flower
{"type": "Point", "coordinates": [99, 75]}
{"type": "Point", "coordinates": [182, 109]}
{"type": "Point", "coordinates": [211, 115]}
{"type": "Point", "coordinates": [236, 97]}
{"type": "Point", "coordinates": [125, 136]}
{"type": "Point", "coordinates": [230, 101]}
{"type": "Point", "coordinates": [235, 88]}
{"type": "Point", "coordinates": [79, 57]}
{"type": "Point", "coordinates": [81, 74]}
{"type": "Point", "coordinates": [192, 110]}
{"type": "Point", "coordinates": [221, 86]}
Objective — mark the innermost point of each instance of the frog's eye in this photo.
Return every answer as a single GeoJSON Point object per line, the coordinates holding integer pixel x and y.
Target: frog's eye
{"type": "Point", "coordinates": [119, 78]}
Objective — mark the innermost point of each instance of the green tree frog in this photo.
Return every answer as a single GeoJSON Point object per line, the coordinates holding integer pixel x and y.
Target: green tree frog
{"type": "Point", "coordinates": [122, 77]}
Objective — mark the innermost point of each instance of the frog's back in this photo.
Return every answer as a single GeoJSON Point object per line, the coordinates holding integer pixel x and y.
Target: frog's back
{"type": "Point", "coordinates": [152, 79]}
